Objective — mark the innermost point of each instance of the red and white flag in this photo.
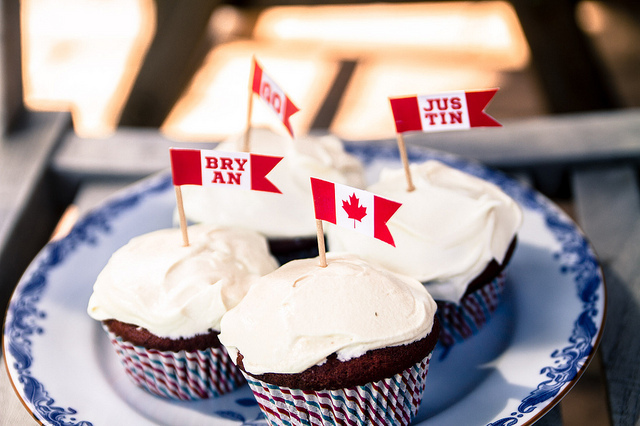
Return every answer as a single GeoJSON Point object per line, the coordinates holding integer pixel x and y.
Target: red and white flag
{"type": "Point", "coordinates": [353, 208]}
{"type": "Point", "coordinates": [456, 110]}
{"type": "Point", "coordinates": [273, 95]}
{"type": "Point", "coordinates": [218, 168]}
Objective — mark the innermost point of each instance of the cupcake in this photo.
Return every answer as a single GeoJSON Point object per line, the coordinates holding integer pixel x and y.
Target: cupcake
{"type": "Point", "coordinates": [161, 304]}
{"type": "Point", "coordinates": [290, 224]}
{"type": "Point", "coordinates": [455, 233]}
{"type": "Point", "coordinates": [349, 343]}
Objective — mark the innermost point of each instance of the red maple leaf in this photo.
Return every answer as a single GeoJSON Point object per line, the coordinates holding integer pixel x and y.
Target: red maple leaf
{"type": "Point", "coordinates": [353, 209]}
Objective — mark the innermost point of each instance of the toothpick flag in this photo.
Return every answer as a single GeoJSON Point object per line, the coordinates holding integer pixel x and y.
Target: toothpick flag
{"type": "Point", "coordinates": [273, 95]}
{"type": "Point", "coordinates": [456, 110]}
{"type": "Point", "coordinates": [217, 168]}
{"type": "Point", "coordinates": [353, 208]}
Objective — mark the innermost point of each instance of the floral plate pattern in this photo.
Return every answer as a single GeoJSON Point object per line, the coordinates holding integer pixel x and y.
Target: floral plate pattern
{"type": "Point", "coordinates": [518, 367]}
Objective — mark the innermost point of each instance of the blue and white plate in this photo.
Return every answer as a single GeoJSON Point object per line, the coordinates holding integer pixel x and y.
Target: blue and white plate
{"type": "Point", "coordinates": [516, 369]}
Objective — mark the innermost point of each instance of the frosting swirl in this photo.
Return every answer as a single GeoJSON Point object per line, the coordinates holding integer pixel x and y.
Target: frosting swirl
{"type": "Point", "coordinates": [289, 214]}
{"type": "Point", "coordinates": [298, 315]}
{"type": "Point", "coordinates": [446, 231]}
{"type": "Point", "coordinates": [174, 291]}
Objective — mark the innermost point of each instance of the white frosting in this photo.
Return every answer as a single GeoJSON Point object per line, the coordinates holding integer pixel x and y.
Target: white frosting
{"type": "Point", "coordinates": [446, 231]}
{"type": "Point", "coordinates": [289, 214]}
{"type": "Point", "coordinates": [295, 317]}
{"type": "Point", "coordinates": [175, 291]}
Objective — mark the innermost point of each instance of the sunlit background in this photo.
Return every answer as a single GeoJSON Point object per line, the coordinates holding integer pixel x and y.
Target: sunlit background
{"type": "Point", "coordinates": [83, 56]}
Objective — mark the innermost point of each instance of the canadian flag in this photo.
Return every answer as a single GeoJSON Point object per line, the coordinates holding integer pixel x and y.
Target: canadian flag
{"type": "Point", "coordinates": [456, 110]}
{"type": "Point", "coordinates": [218, 168]}
{"type": "Point", "coordinates": [353, 208]}
{"type": "Point", "coordinates": [273, 95]}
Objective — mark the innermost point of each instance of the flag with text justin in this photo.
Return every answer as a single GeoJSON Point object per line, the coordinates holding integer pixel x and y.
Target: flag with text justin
{"type": "Point", "coordinates": [457, 110]}
{"type": "Point", "coordinates": [218, 168]}
{"type": "Point", "coordinates": [265, 87]}
{"type": "Point", "coordinates": [353, 208]}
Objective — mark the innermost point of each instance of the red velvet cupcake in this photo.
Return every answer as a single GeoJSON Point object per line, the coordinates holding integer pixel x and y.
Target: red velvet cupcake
{"type": "Point", "coordinates": [454, 232]}
{"type": "Point", "coordinates": [161, 304]}
{"type": "Point", "coordinates": [346, 344]}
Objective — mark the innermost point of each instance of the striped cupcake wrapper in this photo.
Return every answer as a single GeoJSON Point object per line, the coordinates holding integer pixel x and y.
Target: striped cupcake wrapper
{"type": "Point", "coordinates": [183, 375]}
{"type": "Point", "coordinates": [459, 322]}
{"type": "Point", "coordinates": [391, 401]}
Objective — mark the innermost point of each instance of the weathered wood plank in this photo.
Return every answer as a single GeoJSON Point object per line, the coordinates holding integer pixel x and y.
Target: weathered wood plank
{"type": "Point", "coordinates": [128, 153]}
{"type": "Point", "coordinates": [11, 103]}
{"type": "Point", "coordinates": [542, 143]}
{"type": "Point", "coordinates": [546, 146]}
{"type": "Point", "coordinates": [585, 138]}
{"type": "Point", "coordinates": [620, 348]}
{"type": "Point", "coordinates": [29, 208]}
{"type": "Point", "coordinates": [608, 208]}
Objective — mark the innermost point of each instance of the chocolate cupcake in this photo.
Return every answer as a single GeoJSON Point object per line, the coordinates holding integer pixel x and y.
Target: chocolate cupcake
{"type": "Point", "coordinates": [161, 304]}
{"type": "Point", "coordinates": [454, 232]}
{"type": "Point", "coordinates": [348, 343]}
{"type": "Point", "coordinates": [287, 219]}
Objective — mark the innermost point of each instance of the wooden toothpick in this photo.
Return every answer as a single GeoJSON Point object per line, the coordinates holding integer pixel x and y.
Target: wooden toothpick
{"type": "Point", "coordinates": [321, 247]}
{"type": "Point", "coordinates": [181, 215]}
{"type": "Point", "coordinates": [405, 162]}
{"type": "Point", "coordinates": [247, 146]}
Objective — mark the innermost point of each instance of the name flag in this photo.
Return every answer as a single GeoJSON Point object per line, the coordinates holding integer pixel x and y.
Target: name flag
{"type": "Point", "coordinates": [457, 110]}
{"type": "Point", "coordinates": [218, 168]}
{"type": "Point", "coordinates": [265, 87]}
{"type": "Point", "coordinates": [353, 208]}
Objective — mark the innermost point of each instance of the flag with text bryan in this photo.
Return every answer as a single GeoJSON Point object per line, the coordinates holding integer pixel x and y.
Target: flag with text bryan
{"type": "Point", "coordinates": [353, 208]}
{"type": "Point", "coordinates": [456, 110]}
{"type": "Point", "coordinates": [273, 95]}
{"type": "Point", "coordinates": [217, 168]}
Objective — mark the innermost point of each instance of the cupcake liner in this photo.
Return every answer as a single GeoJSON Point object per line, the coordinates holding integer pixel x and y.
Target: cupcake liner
{"type": "Point", "coordinates": [461, 321]}
{"type": "Point", "coordinates": [390, 401]}
{"type": "Point", "coordinates": [183, 375]}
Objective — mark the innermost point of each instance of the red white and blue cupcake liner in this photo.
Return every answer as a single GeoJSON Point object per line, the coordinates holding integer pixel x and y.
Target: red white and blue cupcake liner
{"type": "Point", "coordinates": [183, 375]}
{"type": "Point", "coordinates": [461, 321]}
{"type": "Point", "coordinates": [390, 401]}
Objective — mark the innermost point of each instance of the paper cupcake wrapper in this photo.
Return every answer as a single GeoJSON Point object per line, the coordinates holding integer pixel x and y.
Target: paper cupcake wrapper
{"type": "Point", "coordinates": [183, 375]}
{"type": "Point", "coordinates": [391, 401]}
{"type": "Point", "coordinates": [459, 322]}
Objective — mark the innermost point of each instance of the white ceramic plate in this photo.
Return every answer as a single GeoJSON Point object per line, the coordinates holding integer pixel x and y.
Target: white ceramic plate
{"type": "Point", "coordinates": [521, 364]}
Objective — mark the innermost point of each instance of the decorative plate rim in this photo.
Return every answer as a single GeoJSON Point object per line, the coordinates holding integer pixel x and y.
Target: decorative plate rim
{"type": "Point", "coordinates": [22, 316]}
